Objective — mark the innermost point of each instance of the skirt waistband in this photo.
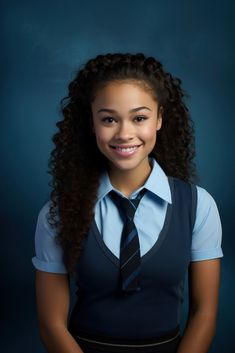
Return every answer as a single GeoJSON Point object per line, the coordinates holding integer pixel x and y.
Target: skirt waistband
{"type": "Point", "coordinates": [126, 342]}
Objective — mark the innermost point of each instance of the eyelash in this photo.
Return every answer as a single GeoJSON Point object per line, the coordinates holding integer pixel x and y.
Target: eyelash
{"type": "Point", "coordinates": [139, 116]}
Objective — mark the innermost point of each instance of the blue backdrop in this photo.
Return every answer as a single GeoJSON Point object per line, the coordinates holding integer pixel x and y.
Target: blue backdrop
{"type": "Point", "coordinates": [44, 42]}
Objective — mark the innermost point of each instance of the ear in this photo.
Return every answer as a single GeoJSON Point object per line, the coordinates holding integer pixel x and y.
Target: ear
{"type": "Point", "coordinates": [159, 118]}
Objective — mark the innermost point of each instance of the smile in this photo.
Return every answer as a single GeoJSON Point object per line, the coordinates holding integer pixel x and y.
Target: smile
{"type": "Point", "coordinates": [125, 151]}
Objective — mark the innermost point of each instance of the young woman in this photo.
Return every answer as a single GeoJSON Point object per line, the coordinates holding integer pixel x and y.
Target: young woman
{"type": "Point", "coordinates": [126, 218]}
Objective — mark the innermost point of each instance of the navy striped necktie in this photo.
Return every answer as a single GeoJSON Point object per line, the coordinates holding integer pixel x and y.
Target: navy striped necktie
{"type": "Point", "coordinates": [130, 259]}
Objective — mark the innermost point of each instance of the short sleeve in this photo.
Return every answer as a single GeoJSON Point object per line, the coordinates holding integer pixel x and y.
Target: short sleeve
{"type": "Point", "coordinates": [49, 255]}
{"type": "Point", "coordinates": [207, 232]}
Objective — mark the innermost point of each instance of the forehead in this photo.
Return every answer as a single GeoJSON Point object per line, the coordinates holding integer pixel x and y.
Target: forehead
{"type": "Point", "coordinates": [125, 90]}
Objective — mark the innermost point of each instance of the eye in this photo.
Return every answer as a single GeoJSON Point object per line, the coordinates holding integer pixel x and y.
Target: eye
{"type": "Point", "coordinates": [140, 118]}
{"type": "Point", "coordinates": [108, 120]}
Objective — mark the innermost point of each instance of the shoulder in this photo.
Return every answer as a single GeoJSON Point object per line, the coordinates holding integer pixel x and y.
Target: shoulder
{"type": "Point", "coordinates": [49, 254]}
{"type": "Point", "coordinates": [179, 183]}
{"type": "Point", "coordinates": [43, 218]}
{"type": "Point", "coordinates": [203, 198]}
{"type": "Point", "coordinates": [203, 204]}
{"type": "Point", "coordinates": [185, 191]}
{"type": "Point", "coordinates": [207, 232]}
{"type": "Point", "coordinates": [207, 210]}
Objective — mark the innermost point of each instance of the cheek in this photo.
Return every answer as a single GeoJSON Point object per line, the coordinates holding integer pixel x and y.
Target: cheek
{"type": "Point", "coordinates": [102, 135]}
{"type": "Point", "coordinates": [149, 133]}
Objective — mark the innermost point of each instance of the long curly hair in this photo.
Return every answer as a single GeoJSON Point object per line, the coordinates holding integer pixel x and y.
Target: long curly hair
{"type": "Point", "coordinates": [76, 163]}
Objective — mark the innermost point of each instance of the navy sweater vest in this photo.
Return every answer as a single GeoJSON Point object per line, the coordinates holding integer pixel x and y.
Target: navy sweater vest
{"type": "Point", "coordinates": [102, 309]}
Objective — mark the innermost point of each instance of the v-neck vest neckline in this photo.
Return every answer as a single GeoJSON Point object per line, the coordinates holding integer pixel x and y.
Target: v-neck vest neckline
{"type": "Point", "coordinates": [114, 259]}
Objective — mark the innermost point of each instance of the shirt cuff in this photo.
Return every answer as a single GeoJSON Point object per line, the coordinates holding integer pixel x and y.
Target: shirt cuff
{"type": "Point", "coordinates": [206, 254]}
{"type": "Point", "coordinates": [53, 267]}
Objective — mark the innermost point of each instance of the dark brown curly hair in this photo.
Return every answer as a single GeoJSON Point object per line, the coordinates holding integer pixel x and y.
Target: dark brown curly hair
{"type": "Point", "coordinates": [76, 162]}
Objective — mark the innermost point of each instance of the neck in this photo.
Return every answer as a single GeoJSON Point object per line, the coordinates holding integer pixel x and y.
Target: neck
{"type": "Point", "coordinates": [128, 181]}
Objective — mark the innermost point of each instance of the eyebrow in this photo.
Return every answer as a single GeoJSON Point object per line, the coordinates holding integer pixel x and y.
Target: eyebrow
{"type": "Point", "coordinates": [130, 111]}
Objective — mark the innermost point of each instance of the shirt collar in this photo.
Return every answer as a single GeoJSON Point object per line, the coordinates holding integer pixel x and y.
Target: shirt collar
{"type": "Point", "coordinates": [157, 183]}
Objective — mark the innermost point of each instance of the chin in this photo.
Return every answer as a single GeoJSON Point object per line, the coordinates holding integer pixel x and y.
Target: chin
{"type": "Point", "coordinates": [125, 165]}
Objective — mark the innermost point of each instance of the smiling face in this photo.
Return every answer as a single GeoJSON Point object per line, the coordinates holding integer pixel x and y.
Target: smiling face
{"type": "Point", "coordinates": [125, 119]}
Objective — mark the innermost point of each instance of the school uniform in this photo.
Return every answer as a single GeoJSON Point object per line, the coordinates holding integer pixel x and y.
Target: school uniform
{"type": "Point", "coordinates": [177, 222]}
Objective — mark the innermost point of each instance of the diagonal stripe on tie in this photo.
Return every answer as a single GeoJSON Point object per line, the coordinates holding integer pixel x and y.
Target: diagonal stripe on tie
{"type": "Point", "coordinates": [131, 257]}
{"type": "Point", "coordinates": [129, 249]}
{"type": "Point", "coordinates": [131, 260]}
{"type": "Point", "coordinates": [128, 238]}
{"type": "Point", "coordinates": [133, 265]}
{"type": "Point", "coordinates": [132, 280]}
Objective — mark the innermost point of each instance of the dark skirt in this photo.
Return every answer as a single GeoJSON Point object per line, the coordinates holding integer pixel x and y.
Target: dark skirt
{"type": "Point", "coordinates": [167, 344]}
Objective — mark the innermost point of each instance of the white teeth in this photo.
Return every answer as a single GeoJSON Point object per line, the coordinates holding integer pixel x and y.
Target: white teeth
{"type": "Point", "coordinates": [129, 149]}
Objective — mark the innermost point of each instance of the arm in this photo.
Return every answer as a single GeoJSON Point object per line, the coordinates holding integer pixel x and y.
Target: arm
{"type": "Point", "coordinates": [52, 293]}
{"type": "Point", "coordinates": [204, 278]}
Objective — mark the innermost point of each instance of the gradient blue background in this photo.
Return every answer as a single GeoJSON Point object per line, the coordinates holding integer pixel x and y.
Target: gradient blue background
{"type": "Point", "coordinates": [44, 42]}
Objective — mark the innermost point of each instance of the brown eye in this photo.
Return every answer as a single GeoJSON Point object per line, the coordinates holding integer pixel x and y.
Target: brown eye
{"type": "Point", "coordinates": [140, 118]}
{"type": "Point", "coordinates": [108, 119]}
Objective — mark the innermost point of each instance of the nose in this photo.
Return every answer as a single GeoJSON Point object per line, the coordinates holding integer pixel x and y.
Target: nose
{"type": "Point", "coordinates": [124, 131]}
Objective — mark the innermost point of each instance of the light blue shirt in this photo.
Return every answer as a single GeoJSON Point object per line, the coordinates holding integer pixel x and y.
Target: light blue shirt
{"type": "Point", "coordinates": [149, 219]}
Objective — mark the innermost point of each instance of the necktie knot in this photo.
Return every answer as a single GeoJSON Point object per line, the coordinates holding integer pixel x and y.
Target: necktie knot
{"type": "Point", "coordinates": [127, 206]}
